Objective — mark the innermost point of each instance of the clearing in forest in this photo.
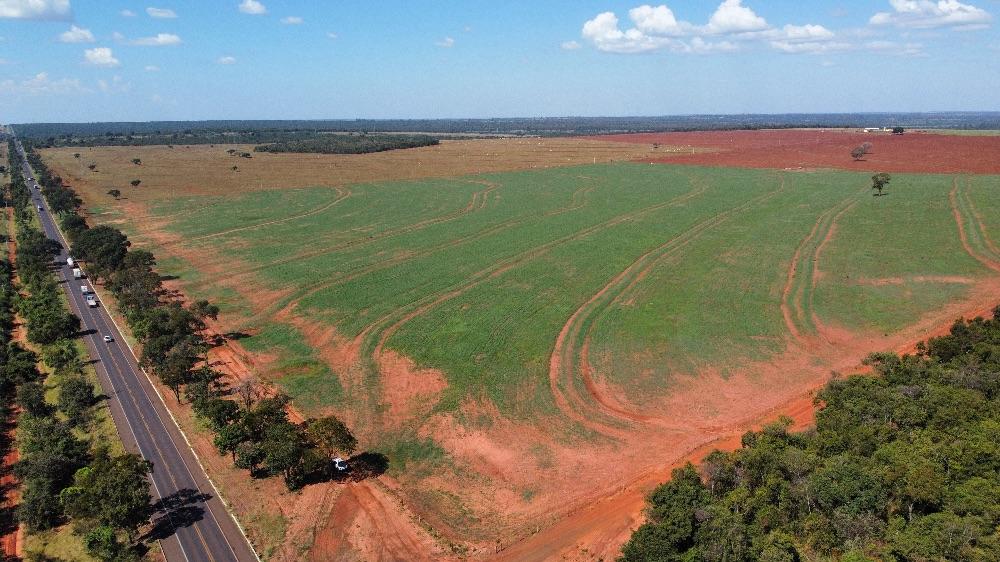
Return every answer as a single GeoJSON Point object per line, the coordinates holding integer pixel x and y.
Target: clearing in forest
{"type": "Point", "coordinates": [502, 336]}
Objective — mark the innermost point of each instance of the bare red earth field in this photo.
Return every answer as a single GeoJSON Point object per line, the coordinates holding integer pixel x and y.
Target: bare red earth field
{"type": "Point", "coordinates": [913, 152]}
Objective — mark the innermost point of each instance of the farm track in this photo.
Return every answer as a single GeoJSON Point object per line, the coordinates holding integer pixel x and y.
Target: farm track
{"type": "Point", "coordinates": [569, 358]}
{"type": "Point", "coordinates": [372, 347]}
{"type": "Point", "coordinates": [797, 296]}
{"type": "Point", "coordinates": [287, 304]}
{"type": "Point", "coordinates": [478, 202]}
{"type": "Point", "coordinates": [971, 229]}
{"type": "Point", "coordinates": [342, 194]}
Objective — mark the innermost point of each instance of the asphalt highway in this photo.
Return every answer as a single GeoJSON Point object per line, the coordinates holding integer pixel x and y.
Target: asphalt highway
{"type": "Point", "coordinates": [192, 524]}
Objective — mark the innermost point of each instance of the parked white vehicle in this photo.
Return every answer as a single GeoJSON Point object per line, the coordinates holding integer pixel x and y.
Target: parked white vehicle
{"type": "Point", "coordinates": [91, 302]}
{"type": "Point", "coordinates": [84, 289]}
{"type": "Point", "coordinates": [77, 273]}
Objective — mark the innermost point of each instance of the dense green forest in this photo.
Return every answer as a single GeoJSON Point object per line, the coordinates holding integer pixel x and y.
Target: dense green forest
{"type": "Point", "coordinates": [349, 144]}
{"type": "Point", "coordinates": [237, 132]}
{"type": "Point", "coordinates": [901, 466]}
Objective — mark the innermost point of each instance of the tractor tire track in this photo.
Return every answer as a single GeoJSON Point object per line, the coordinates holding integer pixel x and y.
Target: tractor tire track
{"type": "Point", "coordinates": [342, 194]}
{"type": "Point", "coordinates": [478, 202]}
{"type": "Point", "coordinates": [422, 306]}
{"type": "Point", "coordinates": [796, 304]}
{"type": "Point", "coordinates": [970, 229]}
{"type": "Point", "coordinates": [568, 356]}
{"type": "Point", "coordinates": [371, 346]}
{"type": "Point", "coordinates": [287, 305]}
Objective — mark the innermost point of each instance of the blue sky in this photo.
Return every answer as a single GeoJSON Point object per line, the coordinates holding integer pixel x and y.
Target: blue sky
{"type": "Point", "coordinates": [77, 60]}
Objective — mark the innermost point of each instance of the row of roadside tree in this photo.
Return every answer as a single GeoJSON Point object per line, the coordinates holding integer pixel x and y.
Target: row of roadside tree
{"type": "Point", "coordinates": [66, 475]}
{"type": "Point", "coordinates": [251, 422]}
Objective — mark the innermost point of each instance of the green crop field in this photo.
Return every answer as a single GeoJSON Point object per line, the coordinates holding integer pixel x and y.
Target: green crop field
{"type": "Point", "coordinates": [656, 272]}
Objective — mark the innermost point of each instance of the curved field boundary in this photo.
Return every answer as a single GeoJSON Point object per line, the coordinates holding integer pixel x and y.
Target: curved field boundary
{"type": "Point", "coordinates": [478, 202]}
{"type": "Point", "coordinates": [971, 229]}
{"type": "Point", "coordinates": [342, 194]}
{"type": "Point", "coordinates": [797, 296]}
{"type": "Point", "coordinates": [569, 358]}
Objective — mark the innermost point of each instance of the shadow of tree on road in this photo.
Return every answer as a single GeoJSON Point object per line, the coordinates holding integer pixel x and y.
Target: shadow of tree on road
{"type": "Point", "coordinates": [176, 511]}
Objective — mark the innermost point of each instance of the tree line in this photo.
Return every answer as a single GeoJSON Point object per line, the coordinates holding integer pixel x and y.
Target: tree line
{"type": "Point", "coordinates": [63, 133]}
{"type": "Point", "coordinates": [349, 144]}
{"type": "Point", "coordinates": [64, 478]}
{"type": "Point", "coordinates": [903, 465]}
{"type": "Point", "coordinates": [250, 422]}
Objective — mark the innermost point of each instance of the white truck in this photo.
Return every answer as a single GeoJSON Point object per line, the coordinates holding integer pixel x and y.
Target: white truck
{"type": "Point", "coordinates": [77, 273]}
{"type": "Point", "coordinates": [91, 301]}
{"type": "Point", "coordinates": [84, 289]}
{"type": "Point", "coordinates": [70, 262]}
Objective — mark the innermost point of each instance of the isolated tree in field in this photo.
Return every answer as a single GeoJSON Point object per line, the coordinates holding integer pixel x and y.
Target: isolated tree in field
{"type": "Point", "coordinates": [879, 181]}
{"type": "Point", "coordinates": [897, 130]}
{"type": "Point", "coordinates": [137, 161]}
{"type": "Point", "coordinates": [135, 183]}
{"type": "Point", "coordinates": [858, 153]}
{"type": "Point", "coordinates": [867, 146]}
{"type": "Point", "coordinates": [76, 155]}
{"type": "Point", "coordinates": [116, 193]}
{"type": "Point", "coordinates": [92, 167]}
{"type": "Point", "coordinates": [236, 168]}
{"type": "Point", "coordinates": [231, 151]}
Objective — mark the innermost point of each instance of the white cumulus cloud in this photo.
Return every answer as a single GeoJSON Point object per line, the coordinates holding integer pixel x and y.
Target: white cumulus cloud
{"type": "Point", "coordinates": [162, 13]}
{"type": "Point", "coordinates": [100, 56]}
{"type": "Point", "coordinates": [446, 43]}
{"type": "Point", "coordinates": [252, 7]}
{"type": "Point", "coordinates": [158, 40]}
{"type": "Point", "coordinates": [604, 33]}
{"type": "Point", "coordinates": [291, 20]}
{"type": "Point", "coordinates": [36, 9]}
{"type": "Point", "coordinates": [733, 17]}
{"type": "Point", "coordinates": [226, 60]}
{"type": "Point", "coordinates": [657, 20]}
{"type": "Point", "coordinates": [926, 14]}
{"type": "Point", "coordinates": [730, 27]}
{"type": "Point", "coordinates": [76, 35]}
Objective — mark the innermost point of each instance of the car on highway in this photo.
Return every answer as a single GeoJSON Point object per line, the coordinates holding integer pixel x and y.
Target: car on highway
{"type": "Point", "coordinates": [39, 207]}
{"type": "Point", "coordinates": [108, 339]}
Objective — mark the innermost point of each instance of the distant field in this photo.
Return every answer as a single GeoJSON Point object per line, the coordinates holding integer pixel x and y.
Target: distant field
{"type": "Point", "coordinates": [912, 152]}
{"type": "Point", "coordinates": [501, 334]}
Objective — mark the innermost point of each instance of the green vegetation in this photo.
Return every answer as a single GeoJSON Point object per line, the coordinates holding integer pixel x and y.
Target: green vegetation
{"type": "Point", "coordinates": [349, 144]}
{"type": "Point", "coordinates": [66, 448]}
{"type": "Point", "coordinates": [901, 466]}
{"type": "Point", "coordinates": [258, 435]}
{"type": "Point", "coordinates": [481, 273]}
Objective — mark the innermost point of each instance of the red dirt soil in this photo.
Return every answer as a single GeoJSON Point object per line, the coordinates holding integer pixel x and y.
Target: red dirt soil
{"type": "Point", "coordinates": [831, 148]}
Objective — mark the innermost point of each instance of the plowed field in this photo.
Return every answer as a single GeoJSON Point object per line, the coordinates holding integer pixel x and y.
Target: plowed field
{"type": "Point", "coordinates": [525, 345]}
